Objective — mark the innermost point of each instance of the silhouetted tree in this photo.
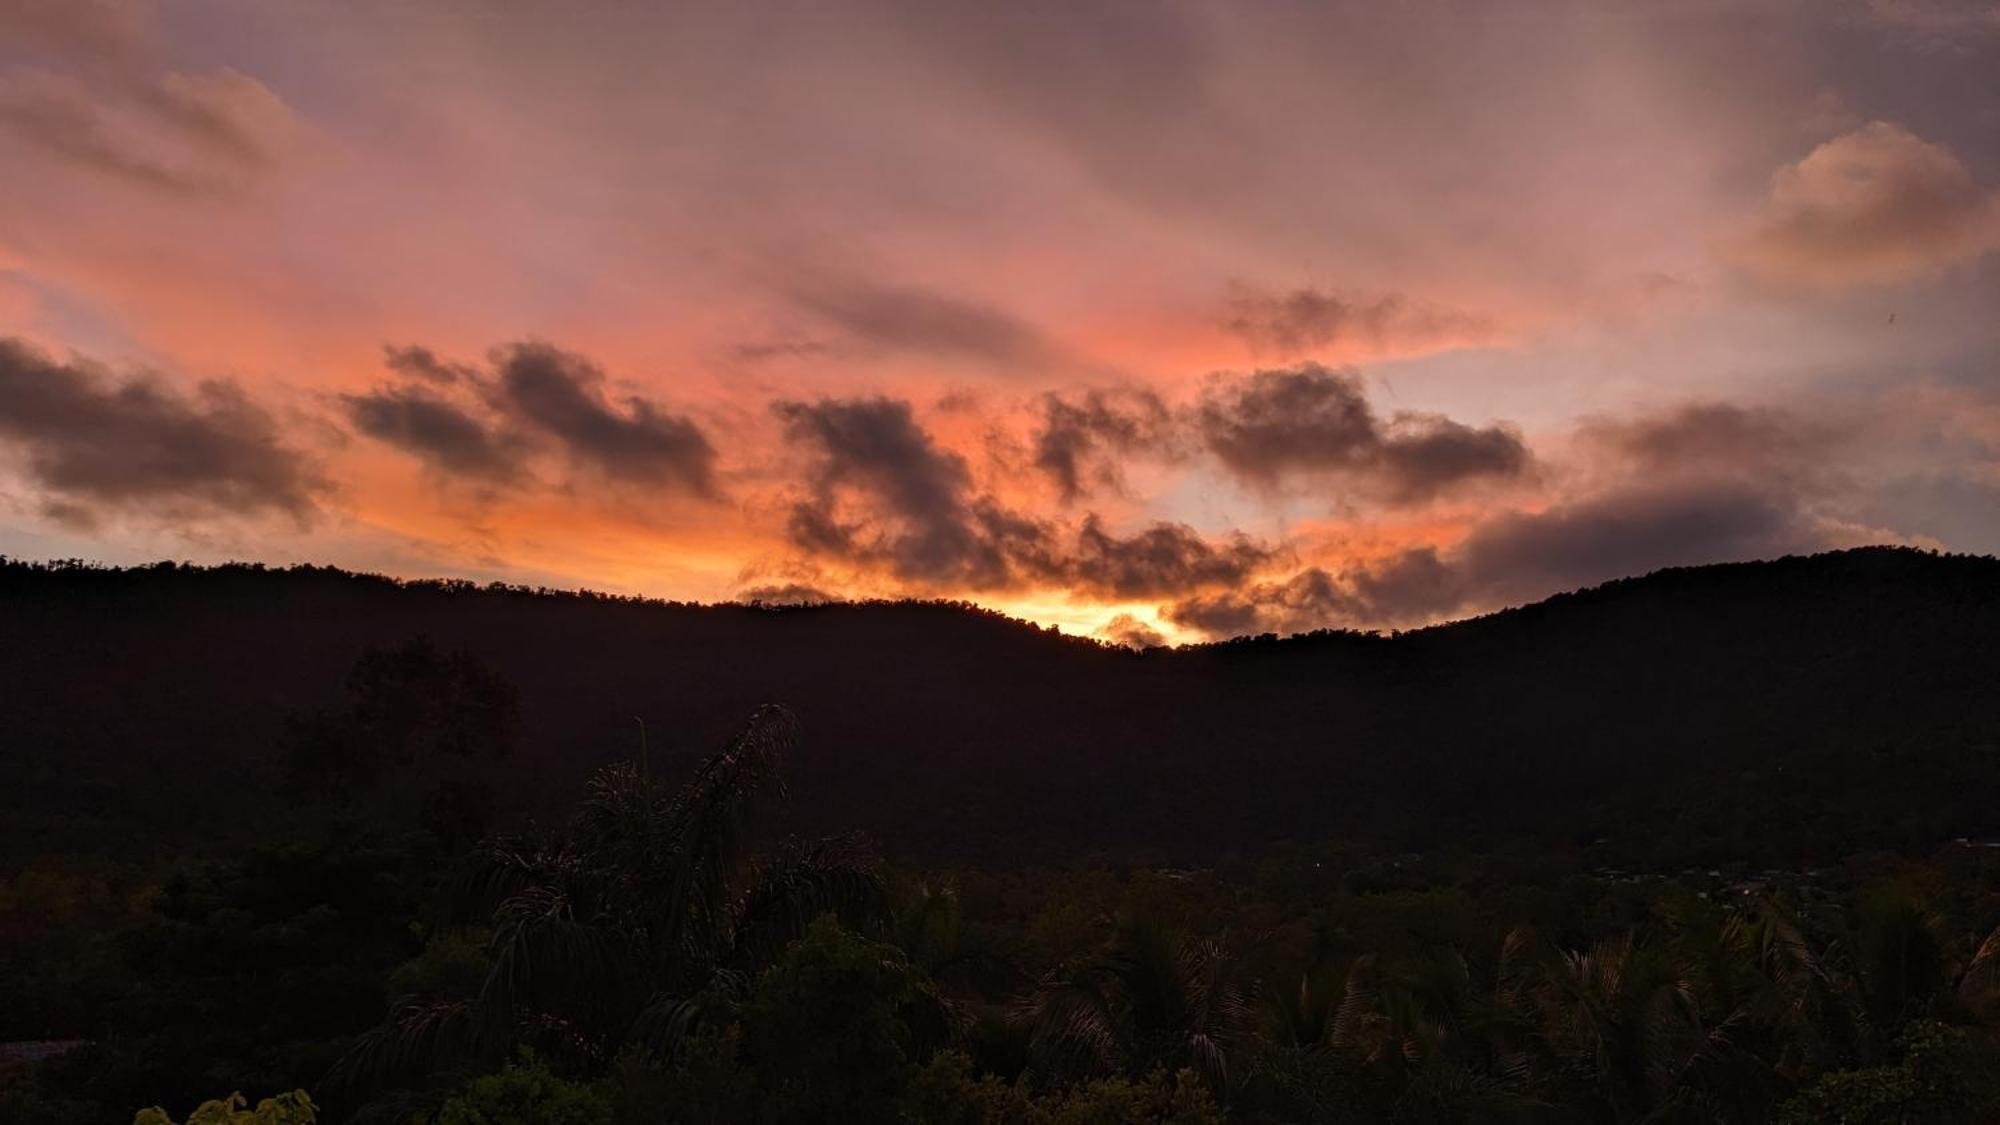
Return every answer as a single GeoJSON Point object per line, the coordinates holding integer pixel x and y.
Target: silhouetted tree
{"type": "Point", "coordinates": [652, 906]}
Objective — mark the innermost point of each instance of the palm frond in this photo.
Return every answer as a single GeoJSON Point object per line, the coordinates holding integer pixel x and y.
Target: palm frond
{"type": "Point", "coordinates": [834, 876]}
{"type": "Point", "coordinates": [414, 1043]}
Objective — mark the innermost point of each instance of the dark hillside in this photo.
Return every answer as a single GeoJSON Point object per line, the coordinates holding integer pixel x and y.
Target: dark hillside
{"type": "Point", "coordinates": [1793, 708]}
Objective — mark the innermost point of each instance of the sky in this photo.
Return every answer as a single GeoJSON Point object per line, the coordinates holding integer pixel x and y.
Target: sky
{"type": "Point", "coordinates": [1154, 321]}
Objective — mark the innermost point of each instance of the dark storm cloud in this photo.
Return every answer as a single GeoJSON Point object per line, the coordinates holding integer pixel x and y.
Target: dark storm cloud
{"type": "Point", "coordinates": [434, 430]}
{"type": "Point", "coordinates": [94, 443]}
{"type": "Point", "coordinates": [1078, 433]}
{"type": "Point", "coordinates": [1305, 320]}
{"type": "Point", "coordinates": [909, 503]}
{"type": "Point", "coordinates": [918, 320]}
{"type": "Point", "coordinates": [1311, 419]}
{"type": "Point", "coordinates": [1162, 560]}
{"type": "Point", "coordinates": [877, 447]}
{"type": "Point", "coordinates": [881, 493]}
{"type": "Point", "coordinates": [561, 394]}
{"type": "Point", "coordinates": [1310, 599]}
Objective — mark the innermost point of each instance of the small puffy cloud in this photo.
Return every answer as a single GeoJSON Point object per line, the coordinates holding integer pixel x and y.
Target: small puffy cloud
{"type": "Point", "coordinates": [1313, 420]}
{"type": "Point", "coordinates": [1874, 206]}
{"type": "Point", "coordinates": [561, 395]}
{"type": "Point", "coordinates": [96, 445]}
{"type": "Point", "coordinates": [1130, 632]}
{"type": "Point", "coordinates": [438, 432]}
{"type": "Point", "coordinates": [1422, 455]}
{"type": "Point", "coordinates": [495, 426]}
{"type": "Point", "coordinates": [1308, 418]}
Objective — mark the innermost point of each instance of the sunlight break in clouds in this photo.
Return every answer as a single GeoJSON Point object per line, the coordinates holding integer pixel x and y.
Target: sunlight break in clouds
{"type": "Point", "coordinates": [1157, 321]}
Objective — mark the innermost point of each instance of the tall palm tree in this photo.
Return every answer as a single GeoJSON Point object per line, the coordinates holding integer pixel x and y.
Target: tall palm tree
{"type": "Point", "coordinates": [1452, 1048]}
{"type": "Point", "coordinates": [1979, 985]}
{"type": "Point", "coordinates": [625, 924]}
{"type": "Point", "coordinates": [1152, 1000]}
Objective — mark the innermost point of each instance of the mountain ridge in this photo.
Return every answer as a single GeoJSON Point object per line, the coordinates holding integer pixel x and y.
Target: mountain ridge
{"type": "Point", "coordinates": [1646, 705]}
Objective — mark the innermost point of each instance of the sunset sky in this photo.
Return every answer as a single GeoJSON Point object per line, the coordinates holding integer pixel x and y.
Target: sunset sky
{"type": "Point", "coordinates": [1149, 320]}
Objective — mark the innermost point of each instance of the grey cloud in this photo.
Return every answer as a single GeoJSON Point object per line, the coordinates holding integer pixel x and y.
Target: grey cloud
{"type": "Point", "coordinates": [1522, 556]}
{"type": "Point", "coordinates": [881, 493]}
{"type": "Point", "coordinates": [877, 446]}
{"type": "Point", "coordinates": [1276, 421]}
{"type": "Point", "coordinates": [561, 394]}
{"type": "Point", "coordinates": [435, 430]}
{"type": "Point", "coordinates": [785, 593]}
{"type": "Point", "coordinates": [1632, 531]}
{"type": "Point", "coordinates": [917, 320]}
{"type": "Point", "coordinates": [418, 362]}
{"type": "Point", "coordinates": [765, 351]}
{"type": "Point", "coordinates": [1424, 454]}
{"type": "Point", "coordinates": [913, 511]}
{"type": "Point", "coordinates": [1077, 431]}
{"type": "Point", "coordinates": [1710, 437]}
{"type": "Point", "coordinates": [1312, 419]}
{"type": "Point", "coordinates": [94, 443]}
{"type": "Point", "coordinates": [1413, 586]}
{"type": "Point", "coordinates": [1306, 319]}
{"type": "Point", "coordinates": [1310, 599]}
{"type": "Point", "coordinates": [1162, 560]}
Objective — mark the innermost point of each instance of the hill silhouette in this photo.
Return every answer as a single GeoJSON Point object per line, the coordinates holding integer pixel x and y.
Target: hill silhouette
{"type": "Point", "coordinates": [1792, 710]}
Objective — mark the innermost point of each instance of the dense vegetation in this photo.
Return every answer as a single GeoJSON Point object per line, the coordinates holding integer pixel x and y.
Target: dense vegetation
{"type": "Point", "coordinates": [370, 903]}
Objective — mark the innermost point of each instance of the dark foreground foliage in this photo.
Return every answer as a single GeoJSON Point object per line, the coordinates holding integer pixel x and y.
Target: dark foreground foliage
{"type": "Point", "coordinates": [662, 955]}
{"type": "Point", "coordinates": [380, 911]}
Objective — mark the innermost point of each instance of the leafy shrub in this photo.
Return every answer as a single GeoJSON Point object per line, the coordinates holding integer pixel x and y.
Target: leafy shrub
{"type": "Point", "coordinates": [294, 1108]}
{"type": "Point", "coordinates": [527, 1093]}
